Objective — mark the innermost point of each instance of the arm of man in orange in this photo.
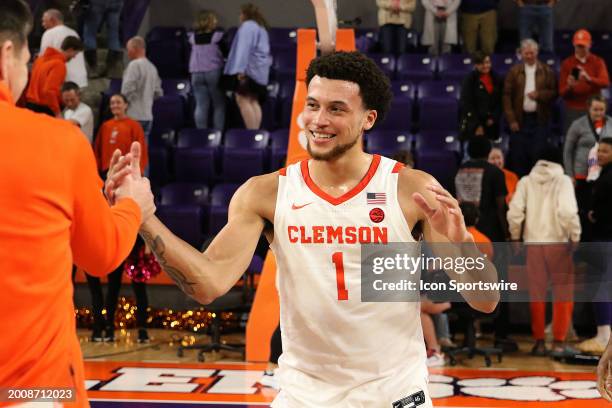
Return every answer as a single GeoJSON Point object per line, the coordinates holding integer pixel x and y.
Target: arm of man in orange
{"type": "Point", "coordinates": [52, 91]}
{"type": "Point", "coordinates": [102, 236]}
{"type": "Point", "coordinates": [601, 77]}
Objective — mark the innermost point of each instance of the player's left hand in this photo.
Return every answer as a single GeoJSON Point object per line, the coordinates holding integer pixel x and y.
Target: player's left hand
{"type": "Point", "coordinates": [118, 169]}
{"type": "Point", "coordinates": [446, 219]}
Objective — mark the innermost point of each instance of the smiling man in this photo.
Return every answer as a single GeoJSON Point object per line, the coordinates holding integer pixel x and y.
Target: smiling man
{"type": "Point", "coordinates": [337, 350]}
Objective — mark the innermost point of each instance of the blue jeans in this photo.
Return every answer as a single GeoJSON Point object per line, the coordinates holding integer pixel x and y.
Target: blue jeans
{"type": "Point", "coordinates": [206, 89]}
{"type": "Point", "coordinates": [99, 11]}
{"type": "Point", "coordinates": [525, 145]}
{"type": "Point", "coordinates": [393, 38]}
{"type": "Point", "coordinates": [537, 18]}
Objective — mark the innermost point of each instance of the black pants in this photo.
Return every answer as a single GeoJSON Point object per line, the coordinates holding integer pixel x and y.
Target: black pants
{"type": "Point", "coordinates": [112, 296]}
{"type": "Point", "coordinates": [584, 190]}
{"type": "Point", "coordinates": [276, 346]}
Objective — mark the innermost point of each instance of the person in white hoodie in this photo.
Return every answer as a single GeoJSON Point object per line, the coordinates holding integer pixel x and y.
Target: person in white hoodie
{"type": "Point", "coordinates": [544, 208]}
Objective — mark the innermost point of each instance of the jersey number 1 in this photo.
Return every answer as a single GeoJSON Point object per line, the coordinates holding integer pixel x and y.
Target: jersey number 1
{"type": "Point", "coordinates": [337, 259]}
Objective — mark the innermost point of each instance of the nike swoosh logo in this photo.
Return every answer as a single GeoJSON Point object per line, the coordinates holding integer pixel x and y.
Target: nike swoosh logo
{"type": "Point", "coordinates": [297, 207]}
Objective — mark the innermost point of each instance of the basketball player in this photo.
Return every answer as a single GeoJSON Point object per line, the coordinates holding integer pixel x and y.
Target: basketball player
{"type": "Point", "coordinates": [337, 351]}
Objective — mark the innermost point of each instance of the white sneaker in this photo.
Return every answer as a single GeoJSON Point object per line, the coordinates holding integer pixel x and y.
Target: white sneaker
{"type": "Point", "coordinates": [269, 380]}
{"type": "Point", "coordinates": [436, 360]}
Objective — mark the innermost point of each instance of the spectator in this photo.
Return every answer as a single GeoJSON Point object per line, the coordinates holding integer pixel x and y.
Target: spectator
{"type": "Point", "coordinates": [440, 27]}
{"type": "Point", "coordinates": [582, 137]}
{"type": "Point", "coordinates": [48, 75]}
{"type": "Point", "coordinates": [394, 21]}
{"type": "Point", "coordinates": [206, 67]}
{"type": "Point", "coordinates": [529, 91]}
{"type": "Point", "coordinates": [496, 158]}
{"type": "Point", "coordinates": [118, 133]}
{"type": "Point", "coordinates": [582, 75]}
{"type": "Point", "coordinates": [100, 11]}
{"type": "Point", "coordinates": [481, 100]}
{"type": "Point", "coordinates": [601, 218]}
{"type": "Point", "coordinates": [76, 111]}
{"type": "Point", "coordinates": [141, 85]}
{"type": "Point", "coordinates": [484, 185]}
{"type": "Point", "coordinates": [544, 208]}
{"type": "Point", "coordinates": [435, 357]}
{"type": "Point", "coordinates": [55, 33]}
{"type": "Point", "coordinates": [249, 64]}
{"type": "Point", "coordinates": [536, 16]}
{"type": "Point", "coordinates": [405, 157]}
{"type": "Point", "coordinates": [470, 216]}
{"type": "Point", "coordinates": [479, 25]}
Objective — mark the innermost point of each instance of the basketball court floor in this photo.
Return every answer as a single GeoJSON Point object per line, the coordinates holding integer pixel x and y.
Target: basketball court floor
{"type": "Point", "coordinates": [126, 374]}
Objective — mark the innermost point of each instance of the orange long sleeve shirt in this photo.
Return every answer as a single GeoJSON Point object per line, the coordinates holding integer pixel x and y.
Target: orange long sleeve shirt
{"type": "Point", "coordinates": [48, 76]}
{"type": "Point", "coordinates": [511, 182]}
{"type": "Point", "coordinates": [53, 215]}
{"type": "Point", "coordinates": [119, 134]}
{"type": "Point", "coordinates": [483, 243]}
{"type": "Point", "coordinates": [577, 97]}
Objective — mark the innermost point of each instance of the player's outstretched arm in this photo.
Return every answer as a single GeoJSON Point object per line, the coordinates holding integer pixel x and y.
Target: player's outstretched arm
{"type": "Point", "coordinates": [443, 224]}
{"type": "Point", "coordinates": [604, 373]}
{"type": "Point", "coordinates": [206, 276]}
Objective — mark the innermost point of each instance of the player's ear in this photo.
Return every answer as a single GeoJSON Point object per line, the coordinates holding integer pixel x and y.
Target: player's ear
{"type": "Point", "coordinates": [370, 119]}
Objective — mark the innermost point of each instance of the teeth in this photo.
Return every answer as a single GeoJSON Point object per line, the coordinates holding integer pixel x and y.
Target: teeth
{"type": "Point", "coordinates": [321, 136]}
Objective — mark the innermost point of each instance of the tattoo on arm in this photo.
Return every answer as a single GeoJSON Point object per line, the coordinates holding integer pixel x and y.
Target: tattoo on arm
{"type": "Point", "coordinates": [158, 247]}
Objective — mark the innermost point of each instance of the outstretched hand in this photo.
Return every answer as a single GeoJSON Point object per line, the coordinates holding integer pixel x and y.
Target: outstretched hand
{"type": "Point", "coordinates": [446, 219]}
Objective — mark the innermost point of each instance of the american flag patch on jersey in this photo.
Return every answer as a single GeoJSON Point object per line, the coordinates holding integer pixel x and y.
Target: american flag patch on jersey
{"type": "Point", "coordinates": [377, 198]}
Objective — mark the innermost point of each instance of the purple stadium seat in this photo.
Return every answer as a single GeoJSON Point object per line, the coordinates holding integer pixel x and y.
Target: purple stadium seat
{"type": "Point", "coordinates": [114, 86]}
{"type": "Point", "coordinates": [167, 49]}
{"type": "Point", "coordinates": [279, 140]}
{"type": "Point", "coordinates": [441, 164]}
{"type": "Point", "coordinates": [435, 140]}
{"type": "Point", "coordinates": [403, 89]}
{"type": "Point", "coordinates": [165, 33]}
{"type": "Point", "coordinates": [168, 113]}
{"type": "Point", "coordinates": [186, 221]}
{"type": "Point", "coordinates": [502, 142]}
{"type": "Point", "coordinates": [415, 67]}
{"type": "Point", "coordinates": [438, 114]}
{"type": "Point", "coordinates": [244, 154]}
{"type": "Point", "coordinates": [198, 138]}
{"type": "Point", "coordinates": [180, 87]}
{"type": "Point", "coordinates": [553, 61]}
{"type": "Point", "coordinates": [439, 89]}
{"type": "Point", "coordinates": [285, 98]}
{"type": "Point", "coordinates": [387, 142]}
{"type": "Point", "coordinates": [386, 62]}
{"type": "Point", "coordinates": [283, 64]}
{"type": "Point", "coordinates": [365, 39]}
{"type": "Point", "coordinates": [282, 37]}
{"type": "Point", "coordinates": [158, 165]}
{"type": "Point", "coordinates": [185, 194]}
{"type": "Point", "coordinates": [219, 202]}
{"type": "Point", "coordinates": [269, 109]}
{"type": "Point", "coordinates": [501, 63]}
{"type": "Point", "coordinates": [454, 67]}
{"type": "Point", "coordinates": [399, 116]}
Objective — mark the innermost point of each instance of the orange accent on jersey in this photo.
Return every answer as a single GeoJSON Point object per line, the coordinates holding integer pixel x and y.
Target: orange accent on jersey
{"type": "Point", "coordinates": [349, 194]}
{"type": "Point", "coordinates": [398, 166]}
{"type": "Point", "coordinates": [297, 207]}
{"type": "Point", "coordinates": [283, 171]}
{"type": "Point", "coordinates": [319, 234]}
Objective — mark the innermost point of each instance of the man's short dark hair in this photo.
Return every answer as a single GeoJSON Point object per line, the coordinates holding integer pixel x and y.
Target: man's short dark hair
{"type": "Point", "coordinates": [479, 147]}
{"type": "Point", "coordinates": [551, 153]}
{"type": "Point", "coordinates": [15, 22]}
{"type": "Point", "coordinates": [597, 98]}
{"type": "Point", "coordinates": [606, 140]}
{"type": "Point", "coordinates": [70, 86]}
{"type": "Point", "coordinates": [374, 85]}
{"type": "Point", "coordinates": [470, 213]}
{"type": "Point", "coordinates": [72, 43]}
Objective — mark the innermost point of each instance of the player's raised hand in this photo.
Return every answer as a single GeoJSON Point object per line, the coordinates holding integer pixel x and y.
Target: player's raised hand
{"type": "Point", "coordinates": [136, 153]}
{"type": "Point", "coordinates": [118, 169]}
{"type": "Point", "coordinates": [445, 218]}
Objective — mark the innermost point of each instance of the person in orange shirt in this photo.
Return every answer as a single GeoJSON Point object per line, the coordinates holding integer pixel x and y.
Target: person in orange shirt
{"type": "Point", "coordinates": [53, 214]}
{"type": "Point", "coordinates": [496, 158]}
{"type": "Point", "coordinates": [44, 93]}
{"type": "Point", "coordinates": [118, 133]}
{"type": "Point", "coordinates": [470, 215]}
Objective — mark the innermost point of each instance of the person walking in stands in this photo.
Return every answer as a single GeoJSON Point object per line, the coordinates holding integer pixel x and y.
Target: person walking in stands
{"type": "Point", "coordinates": [481, 99]}
{"type": "Point", "coordinates": [141, 85]}
{"type": "Point", "coordinates": [54, 214]}
{"type": "Point", "coordinates": [206, 68]}
{"type": "Point", "coordinates": [117, 133]}
{"type": "Point", "coordinates": [537, 16]}
{"type": "Point", "coordinates": [44, 92]}
{"type": "Point", "coordinates": [55, 33]}
{"type": "Point", "coordinates": [544, 213]}
{"type": "Point", "coordinates": [249, 64]}
{"type": "Point", "coordinates": [582, 75]}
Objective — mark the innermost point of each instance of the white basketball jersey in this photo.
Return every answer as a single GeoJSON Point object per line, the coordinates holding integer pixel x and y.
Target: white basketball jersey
{"type": "Point", "coordinates": [337, 350]}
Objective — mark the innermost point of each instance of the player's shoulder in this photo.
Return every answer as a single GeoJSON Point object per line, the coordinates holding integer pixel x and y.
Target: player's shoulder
{"type": "Point", "coordinates": [260, 188]}
{"type": "Point", "coordinates": [412, 180]}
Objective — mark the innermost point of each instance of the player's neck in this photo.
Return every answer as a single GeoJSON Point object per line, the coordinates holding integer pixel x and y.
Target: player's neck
{"type": "Point", "coordinates": [347, 170]}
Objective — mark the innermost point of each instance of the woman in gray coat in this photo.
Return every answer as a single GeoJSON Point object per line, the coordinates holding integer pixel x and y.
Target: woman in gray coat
{"type": "Point", "coordinates": [440, 27]}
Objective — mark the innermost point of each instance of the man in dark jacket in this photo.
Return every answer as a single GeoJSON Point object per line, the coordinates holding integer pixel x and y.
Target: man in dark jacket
{"type": "Point", "coordinates": [481, 100]}
{"type": "Point", "coordinates": [529, 92]}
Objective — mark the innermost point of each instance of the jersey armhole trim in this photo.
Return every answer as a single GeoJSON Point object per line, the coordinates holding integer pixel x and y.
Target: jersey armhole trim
{"type": "Point", "coordinates": [398, 166]}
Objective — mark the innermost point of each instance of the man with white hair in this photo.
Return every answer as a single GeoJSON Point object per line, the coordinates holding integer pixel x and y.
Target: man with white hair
{"type": "Point", "coordinates": [141, 84]}
{"type": "Point", "coordinates": [529, 92]}
{"type": "Point", "coordinates": [55, 33]}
